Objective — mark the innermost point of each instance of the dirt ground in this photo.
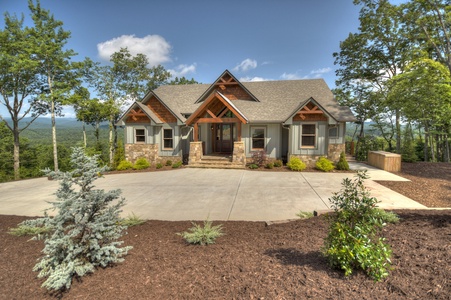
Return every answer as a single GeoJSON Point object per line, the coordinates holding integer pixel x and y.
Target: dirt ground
{"type": "Point", "coordinates": [254, 261]}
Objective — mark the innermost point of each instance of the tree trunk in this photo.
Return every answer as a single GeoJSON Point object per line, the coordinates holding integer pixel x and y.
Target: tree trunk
{"type": "Point", "coordinates": [97, 133]}
{"type": "Point", "coordinates": [16, 151]}
{"type": "Point", "coordinates": [84, 134]}
{"type": "Point", "coordinates": [110, 141]}
{"type": "Point", "coordinates": [426, 141]}
{"type": "Point", "coordinates": [447, 159]}
{"type": "Point", "coordinates": [55, 147]}
{"type": "Point", "coordinates": [398, 131]}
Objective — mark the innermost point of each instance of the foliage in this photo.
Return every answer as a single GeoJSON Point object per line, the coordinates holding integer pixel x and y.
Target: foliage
{"type": "Point", "coordinates": [132, 220]}
{"type": "Point", "coordinates": [296, 164]}
{"type": "Point", "coordinates": [30, 229]}
{"type": "Point", "coordinates": [385, 216]}
{"type": "Point", "coordinates": [342, 163]}
{"type": "Point", "coordinates": [205, 235]}
{"type": "Point", "coordinates": [323, 164]}
{"type": "Point", "coordinates": [278, 163]}
{"type": "Point", "coordinates": [259, 157]}
{"type": "Point", "coordinates": [124, 165]}
{"type": "Point", "coordinates": [366, 144]}
{"type": "Point", "coordinates": [159, 165]}
{"type": "Point", "coordinates": [269, 166]}
{"type": "Point", "coordinates": [85, 229]}
{"type": "Point", "coordinates": [305, 214]}
{"type": "Point", "coordinates": [169, 163]}
{"type": "Point", "coordinates": [182, 80]}
{"type": "Point", "coordinates": [354, 238]}
{"type": "Point", "coordinates": [177, 165]}
{"type": "Point", "coordinates": [408, 153]}
{"type": "Point", "coordinates": [253, 166]}
{"type": "Point", "coordinates": [141, 163]}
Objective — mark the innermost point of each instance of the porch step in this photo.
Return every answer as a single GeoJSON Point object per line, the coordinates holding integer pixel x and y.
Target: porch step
{"type": "Point", "coordinates": [215, 164]}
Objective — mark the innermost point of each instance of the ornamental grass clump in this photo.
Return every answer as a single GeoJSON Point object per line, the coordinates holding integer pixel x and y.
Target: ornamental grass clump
{"type": "Point", "coordinates": [205, 235]}
{"type": "Point", "coordinates": [296, 164]}
{"type": "Point", "coordinates": [354, 239]}
{"type": "Point", "coordinates": [84, 232]}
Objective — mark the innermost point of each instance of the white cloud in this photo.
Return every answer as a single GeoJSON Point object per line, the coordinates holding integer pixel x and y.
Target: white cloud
{"type": "Point", "coordinates": [182, 70]}
{"type": "Point", "coordinates": [319, 72]}
{"type": "Point", "coordinates": [289, 76]}
{"type": "Point", "coordinates": [249, 79]}
{"type": "Point", "coordinates": [155, 47]}
{"type": "Point", "coordinates": [245, 65]}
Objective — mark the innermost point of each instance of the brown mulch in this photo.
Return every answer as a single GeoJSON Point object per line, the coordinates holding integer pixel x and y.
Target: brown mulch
{"type": "Point", "coordinates": [252, 261]}
{"type": "Point", "coordinates": [430, 183]}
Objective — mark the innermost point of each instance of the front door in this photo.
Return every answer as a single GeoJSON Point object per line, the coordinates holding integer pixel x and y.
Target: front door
{"type": "Point", "coordinates": [223, 138]}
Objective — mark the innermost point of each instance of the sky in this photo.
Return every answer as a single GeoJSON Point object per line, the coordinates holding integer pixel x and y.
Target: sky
{"type": "Point", "coordinates": [254, 39]}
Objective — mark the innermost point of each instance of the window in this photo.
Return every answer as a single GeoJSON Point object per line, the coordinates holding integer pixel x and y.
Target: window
{"type": "Point", "coordinates": [140, 136]}
{"type": "Point", "coordinates": [168, 140]}
{"type": "Point", "coordinates": [258, 137]}
{"type": "Point", "coordinates": [333, 132]}
{"type": "Point", "coordinates": [308, 136]}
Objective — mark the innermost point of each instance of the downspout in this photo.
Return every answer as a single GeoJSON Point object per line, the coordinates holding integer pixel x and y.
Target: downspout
{"type": "Point", "coordinates": [287, 127]}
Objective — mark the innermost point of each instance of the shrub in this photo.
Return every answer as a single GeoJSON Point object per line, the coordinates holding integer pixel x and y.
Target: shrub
{"type": "Point", "coordinates": [177, 165]}
{"type": "Point", "coordinates": [386, 216]}
{"type": "Point", "coordinates": [253, 166]}
{"type": "Point", "coordinates": [304, 214]}
{"type": "Point", "coordinates": [342, 163]}
{"type": "Point", "coordinates": [325, 165]}
{"type": "Point", "coordinates": [202, 235]}
{"type": "Point", "coordinates": [296, 164]}
{"type": "Point", "coordinates": [159, 165]}
{"type": "Point", "coordinates": [259, 157]}
{"type": "Point", "coordinates": [124, 165]}
{"type": "Point", "coordinates": [269, 166]}
{"type": "Point", "coordinates": [169, 163]}
{"type": "Point", "coordinates": [86, 227]}
{"type": "Point", "coordinates": [141, 164]}
{"type": "Point", "coordinates": [278, 163]}
{"type": "Point", "coordinates": [132, 220]}
{"type": "Point", "coordinates": [31, 228]}
{"type": "Point", "coordinates": [353, 239]}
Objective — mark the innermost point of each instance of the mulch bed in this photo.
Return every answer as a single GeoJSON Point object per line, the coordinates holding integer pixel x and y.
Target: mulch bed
{"type": "Point", "coordinates": [252, 261]}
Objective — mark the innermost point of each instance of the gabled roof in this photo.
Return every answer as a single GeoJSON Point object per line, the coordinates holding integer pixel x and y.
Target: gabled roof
{"type": "Point", "coordinates": [272, 101]}
{"type": "Point", "coordinates": [302, 105]}
{"type": "Point", "coordinates": [144, 108]}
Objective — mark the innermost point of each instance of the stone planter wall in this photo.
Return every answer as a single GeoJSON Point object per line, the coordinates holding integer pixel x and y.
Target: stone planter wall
{"type": "Point", "coordinates": [239, 153]}
{"type": "Point", "coordinates": [195, 152]}
{"type": "Point", "coordinates": [135, 151]}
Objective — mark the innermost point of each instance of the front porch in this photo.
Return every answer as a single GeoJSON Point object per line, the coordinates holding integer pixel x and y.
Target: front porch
{"type": "Point", "coordinates": [236, 160]}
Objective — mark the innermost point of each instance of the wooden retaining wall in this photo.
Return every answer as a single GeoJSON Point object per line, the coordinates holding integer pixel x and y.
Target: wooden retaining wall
{"type": "Point", "coordinates": [385, 160]}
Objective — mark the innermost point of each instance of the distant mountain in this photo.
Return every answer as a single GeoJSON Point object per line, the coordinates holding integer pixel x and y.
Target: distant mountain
{"type": "Point", "coordinates": [43, 122]}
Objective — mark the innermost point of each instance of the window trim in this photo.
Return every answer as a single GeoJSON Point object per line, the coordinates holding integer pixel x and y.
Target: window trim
{"type": "Point", "coordinates": [140, 135]}
{"type": "Point", "coordinates": [163, 139]}
{"type": "Point", "coordinates": [315, 135]}
{"type": "Point", "coordinates": [252, 138]}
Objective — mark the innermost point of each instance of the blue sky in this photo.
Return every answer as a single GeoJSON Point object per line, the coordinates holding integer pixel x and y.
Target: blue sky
{"type": "Point", "coordinates": [265, 39]}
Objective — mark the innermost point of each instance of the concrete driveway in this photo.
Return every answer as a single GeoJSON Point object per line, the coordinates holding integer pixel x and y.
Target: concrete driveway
{"type": "Point", "coordinates": [197, 194]}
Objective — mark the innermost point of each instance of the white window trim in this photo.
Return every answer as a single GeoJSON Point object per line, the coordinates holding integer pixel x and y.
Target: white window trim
{"type": "Point", "coordinates": [264, 138]}
{"type": "Point", "coordinates": [316, 136]}
{"type": "Point", "coordinates": [135, 135]}
{"type": "Point", "coordinates": [163, 138]}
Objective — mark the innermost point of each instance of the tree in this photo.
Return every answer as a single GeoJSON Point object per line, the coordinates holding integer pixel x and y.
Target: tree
{"type": "Point", "coordinates": [86, 228]}
{"type": "Point", "coordinates": [19, 84]}
{"type": "Point", "coordinates": [127, 80]}
{"type": "Point", "coordinates": [182, 81]}
{"type": "Point", "coordinates": [57, 73]}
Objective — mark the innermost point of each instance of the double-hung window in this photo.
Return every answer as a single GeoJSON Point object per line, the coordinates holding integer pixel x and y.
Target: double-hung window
{"type": "Point", "coordinates": [140, 136]}
{"type": "Point", "coordinates": [308, 136]}
{"type": "Point", "coordinates": [258, 135]}
{"type": "Point", "coordinates": [168, 138]}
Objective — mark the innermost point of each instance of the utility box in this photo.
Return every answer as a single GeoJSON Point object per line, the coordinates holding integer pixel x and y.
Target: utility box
{"type": "Point", "coordinates": [385, 160]}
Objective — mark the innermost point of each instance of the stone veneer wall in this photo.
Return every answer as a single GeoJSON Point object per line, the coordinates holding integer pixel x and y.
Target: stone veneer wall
{"type": "Point", "coordinates": [239, 153]}
{"type": "Point", "coordinates": [195, 152]}
{"type": "Point", "coordinates": [334, 151]}
{"type": "Point", "coordinates": [135, 151]}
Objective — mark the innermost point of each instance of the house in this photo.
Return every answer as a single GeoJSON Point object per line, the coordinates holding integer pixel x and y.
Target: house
{"type": "Point", "coordinates": [235, 119]}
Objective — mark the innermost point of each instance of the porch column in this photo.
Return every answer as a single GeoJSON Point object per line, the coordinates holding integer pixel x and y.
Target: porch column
{"type": "Point", "coordinates": [238, 133]}
{"type": "Point", "coordinates": [195, 152]}
{"type": "Point", "coordinates": [196, 132]}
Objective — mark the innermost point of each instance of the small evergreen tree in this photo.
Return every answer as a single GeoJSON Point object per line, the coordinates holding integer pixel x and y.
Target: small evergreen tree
{"type": "Point", "coordinates": [342, 163]}
{"type": "Point", "coordinates": [86, 228]}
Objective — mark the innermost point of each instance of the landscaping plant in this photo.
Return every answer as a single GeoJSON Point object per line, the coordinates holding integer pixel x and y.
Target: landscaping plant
{"type": "Point", "coordinates": [202, 235]}
{"type": "Point", "coordinates": [278, 163]}
{"type": "Point", "coordinates": [177, 165]}
{"type": "Point", "coordinates": [259, 157]}
{"type": "Point", "coordinates": [342, 163]}
{"type": "Point", "coordinates": [84, 232]}
{"type": "Point", "coordinates": [296, 164]}
{"type": "Point", "coordinates": [124, 165]}
{"type": "Point", "coordinates": [323, 164]}
{"type": "Point", "coordinates": [141, 164]}
{"type": "Point", "coordinates": [354, 239]}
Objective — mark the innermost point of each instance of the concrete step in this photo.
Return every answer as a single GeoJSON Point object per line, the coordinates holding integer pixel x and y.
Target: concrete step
{"type": "Point", "coordinates": [216, 165]}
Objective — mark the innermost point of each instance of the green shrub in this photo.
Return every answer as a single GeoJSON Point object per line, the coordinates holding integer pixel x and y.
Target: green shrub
{"type": "Point", "coordinates": [202, 235]}
{"type": "Point", "coordinates": [141, 163]}
{"type": "Point", "coordinates": [323, 164]}
{"type": "Point", "coordinates": [296, 164]}
{"type": "Point", "coordinates": [159, 165]}
{"type": "Point", "coordinates": [132, 220]}
{"type": "Point", "coordinates": [177, 165]}
{"type": "Point", "coordinates": [278, 163]}
{"type": "Point", "coordinates": [24, 229]}
{"type": "Point", "coordinates": [269, 166]}
{"type": "Point", "coordinates": [253, 166]}
{"type": "Point", "coordinates": [169, 163]}
{"type": "Point", "coordinates": [354, 239]}
{"type": "Point", "coordinates": [124, 165]}
{"type": "Point", "coordinates": [386, 216]}
{"type": "Point", "coordinates": [342, 163]}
